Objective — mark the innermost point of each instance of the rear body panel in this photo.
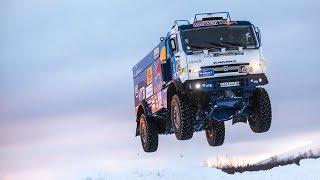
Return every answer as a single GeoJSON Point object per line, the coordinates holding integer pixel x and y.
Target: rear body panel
{"type": "Point", "coordinates": [148, 80]}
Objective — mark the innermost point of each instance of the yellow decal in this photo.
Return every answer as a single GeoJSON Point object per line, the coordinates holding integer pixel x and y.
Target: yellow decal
{"type": "Point", "coordinates": [163, 55]}
{"type": "Point", "coordinates": [149, 75]}
{"type": "Point", "coordinates": [184, 70]}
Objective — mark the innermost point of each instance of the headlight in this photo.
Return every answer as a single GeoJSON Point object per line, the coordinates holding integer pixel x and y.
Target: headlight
{"type": "Point", "coordinates": [254, 67]}
{"type": "Point", "coordinates": [198, 86]}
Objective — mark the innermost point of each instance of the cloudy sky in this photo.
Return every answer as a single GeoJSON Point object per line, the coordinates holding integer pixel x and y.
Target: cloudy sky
{"type": "Point", "coordinates": [66, 89]}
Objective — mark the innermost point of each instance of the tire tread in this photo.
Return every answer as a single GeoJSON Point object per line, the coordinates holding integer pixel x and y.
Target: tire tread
{"type": "Point", "coordinates": [262, 112]}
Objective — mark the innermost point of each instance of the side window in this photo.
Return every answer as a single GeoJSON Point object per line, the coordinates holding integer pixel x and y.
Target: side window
{"type": "Point", "coordinates": [174, 44]}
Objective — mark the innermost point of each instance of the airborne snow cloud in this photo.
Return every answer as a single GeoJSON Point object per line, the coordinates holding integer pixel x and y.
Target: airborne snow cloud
{"type": "Point", "coordinates": [233, 165]}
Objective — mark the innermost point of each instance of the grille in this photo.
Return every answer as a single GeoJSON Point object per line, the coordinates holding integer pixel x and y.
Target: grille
{"type": "Point", "coordinates": [225, 68]}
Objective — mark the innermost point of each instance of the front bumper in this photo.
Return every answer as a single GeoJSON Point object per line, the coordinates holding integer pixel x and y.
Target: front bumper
{"type": "Point", "coordinates": [246, 82]}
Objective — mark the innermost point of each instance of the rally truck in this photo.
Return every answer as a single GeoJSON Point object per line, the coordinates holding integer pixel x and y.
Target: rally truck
{"type": "Point", "coordinates": [200, 75]}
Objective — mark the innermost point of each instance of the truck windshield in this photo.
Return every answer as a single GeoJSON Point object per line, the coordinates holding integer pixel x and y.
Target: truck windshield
{"type": "Point", "coordinates": [219, 37]}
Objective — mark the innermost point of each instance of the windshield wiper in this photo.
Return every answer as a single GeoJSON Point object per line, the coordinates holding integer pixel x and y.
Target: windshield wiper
{"type": "Point", "coordinates": [196, 47]}
{"type": "Point", "coordinates": [217, 45]}
{"type": "Point", "coordinates": [208, 46]}
{"type": "Point", "coordinates": [202, 45]}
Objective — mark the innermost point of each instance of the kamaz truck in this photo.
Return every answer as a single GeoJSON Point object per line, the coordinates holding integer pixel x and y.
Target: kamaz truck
{"type": "Point", "coordinates": [200, 75]}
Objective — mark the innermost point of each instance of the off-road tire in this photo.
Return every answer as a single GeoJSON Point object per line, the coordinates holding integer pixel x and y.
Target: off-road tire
{"type": "Point", "coordinates": [260, 114]}
{"type": "Point", "coordinates": [148, 133]}
{"type": "Point", "coordinates": [215, 133]}
{"type": "Point", "coordinates": [182, 117]}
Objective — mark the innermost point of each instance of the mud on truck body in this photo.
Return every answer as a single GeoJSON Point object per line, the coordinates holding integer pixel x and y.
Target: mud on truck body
{"type": "Point", "coordinates": [199, 76]}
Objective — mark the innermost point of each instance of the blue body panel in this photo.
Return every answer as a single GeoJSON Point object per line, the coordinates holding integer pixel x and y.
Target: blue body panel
{"type": "Point", "coordinates": [149, 81]}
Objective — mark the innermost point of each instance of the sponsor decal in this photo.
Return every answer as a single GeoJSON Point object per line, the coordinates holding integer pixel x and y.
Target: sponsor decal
{"type": "Point", "coordinates": [153, 104]}
{"type": "Point", "coordinates": [136, 91]}
{"type": "Point", "coordinates": [149, 75]}
{"type": "Point", "coordinates": [174, 69]}
{"type": "Point", "coordinates": [156, 102]}
{"type": "Point", "coordinates": [225, 62]}
{"type": "Point", "coordinates": [230, 84]}
{"type": "Point", "coordinates": [213, 23]}
{"type": "Point", "coordinates": [163, 55]}
{"type": "Point", "coordinates": [178, 67]}
{"type": "Point", "coordinates": [149, 91]}
{"type": "Point", "coordinates": [184, 70]}
{"type": "Point", "coordinates": [164, 100]}
{"type": "Point", "coordinates": [137, 71]}
{"type": "Point", "coordinates": [158, 68]}
{"type": "Point", "coordinates": [206, 72]}
{"type": "Point", "coordinates": [207, 85]}
{"type": "Point", "coordinates": [157, 87]}
{"type": "Point", "coordinates": [142, 94]}
{"type": "Point", "coordinates": [157, 79]}
{"type": "Point", "coordinates": [156, 53]}
{"type": "Point", "coordinates": [195, 61]}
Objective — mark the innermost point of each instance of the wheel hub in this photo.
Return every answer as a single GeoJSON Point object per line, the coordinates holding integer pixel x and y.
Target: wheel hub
{"type": "Point", "coordinates": [176, 117]}
{"type": "Point", "coordinates": [143, 131]}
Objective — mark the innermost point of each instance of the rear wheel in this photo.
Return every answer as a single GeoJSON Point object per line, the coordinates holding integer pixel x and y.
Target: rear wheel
{"type": "Point", "coordinates": [182, 117]}
{"type": "Point", "coordinates": [148, 133]}
{"type": "Point", "coordinates": [260, 111]}
{"type": "Point", "coordinates": [215, 133]}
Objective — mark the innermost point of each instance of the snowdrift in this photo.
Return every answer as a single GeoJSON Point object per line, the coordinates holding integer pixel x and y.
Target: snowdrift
{"type": "Point", "coordinates": [230, 166]}
{"type": "Point", "coordinates": [292, 168]}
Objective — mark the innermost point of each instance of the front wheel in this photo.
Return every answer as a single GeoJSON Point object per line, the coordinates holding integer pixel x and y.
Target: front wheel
{"type": "Point", "coordinates": [148, 133]}
{"type": "Point", "coordinates": [260, 111]}
{"type": "Point", "coordinates": [182, 117]}
{"type": "Point", "coordinates": [215, 133]}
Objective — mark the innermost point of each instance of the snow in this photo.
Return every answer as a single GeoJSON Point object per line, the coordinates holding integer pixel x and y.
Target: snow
{"type": "Point", "coordinates": [307, 150]}
{"type": "Point", "coordinates": [232, 165]}
{"type": "Point", "coordinates": [308, 169]}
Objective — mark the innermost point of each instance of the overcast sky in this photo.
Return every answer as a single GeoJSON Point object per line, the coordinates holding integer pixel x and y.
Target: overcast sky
{"type": "Point", "coordinates": [66, 89]}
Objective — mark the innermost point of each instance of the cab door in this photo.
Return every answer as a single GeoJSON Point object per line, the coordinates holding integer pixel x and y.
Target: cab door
{"type": "Point", "coordinates": [173, 57]}
{"type": "Point", "coordinates": [178, 58]}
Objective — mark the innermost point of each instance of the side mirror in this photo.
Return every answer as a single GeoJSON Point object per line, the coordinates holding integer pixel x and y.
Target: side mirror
{"type": "Point", "coordinates": [258, 34]}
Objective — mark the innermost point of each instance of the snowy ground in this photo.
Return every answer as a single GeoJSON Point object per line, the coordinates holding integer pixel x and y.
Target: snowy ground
{"type": "Point", "coordinates": [79, 147]}
{"type": "Point", "coordinates": [308, 169]}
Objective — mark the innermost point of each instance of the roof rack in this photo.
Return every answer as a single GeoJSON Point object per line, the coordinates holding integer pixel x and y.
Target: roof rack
{"type": "Point", "coordinates": [209, 16]}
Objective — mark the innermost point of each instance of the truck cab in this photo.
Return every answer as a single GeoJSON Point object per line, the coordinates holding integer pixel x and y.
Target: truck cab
{"type": "Point", "coordinates": [199, 76]}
